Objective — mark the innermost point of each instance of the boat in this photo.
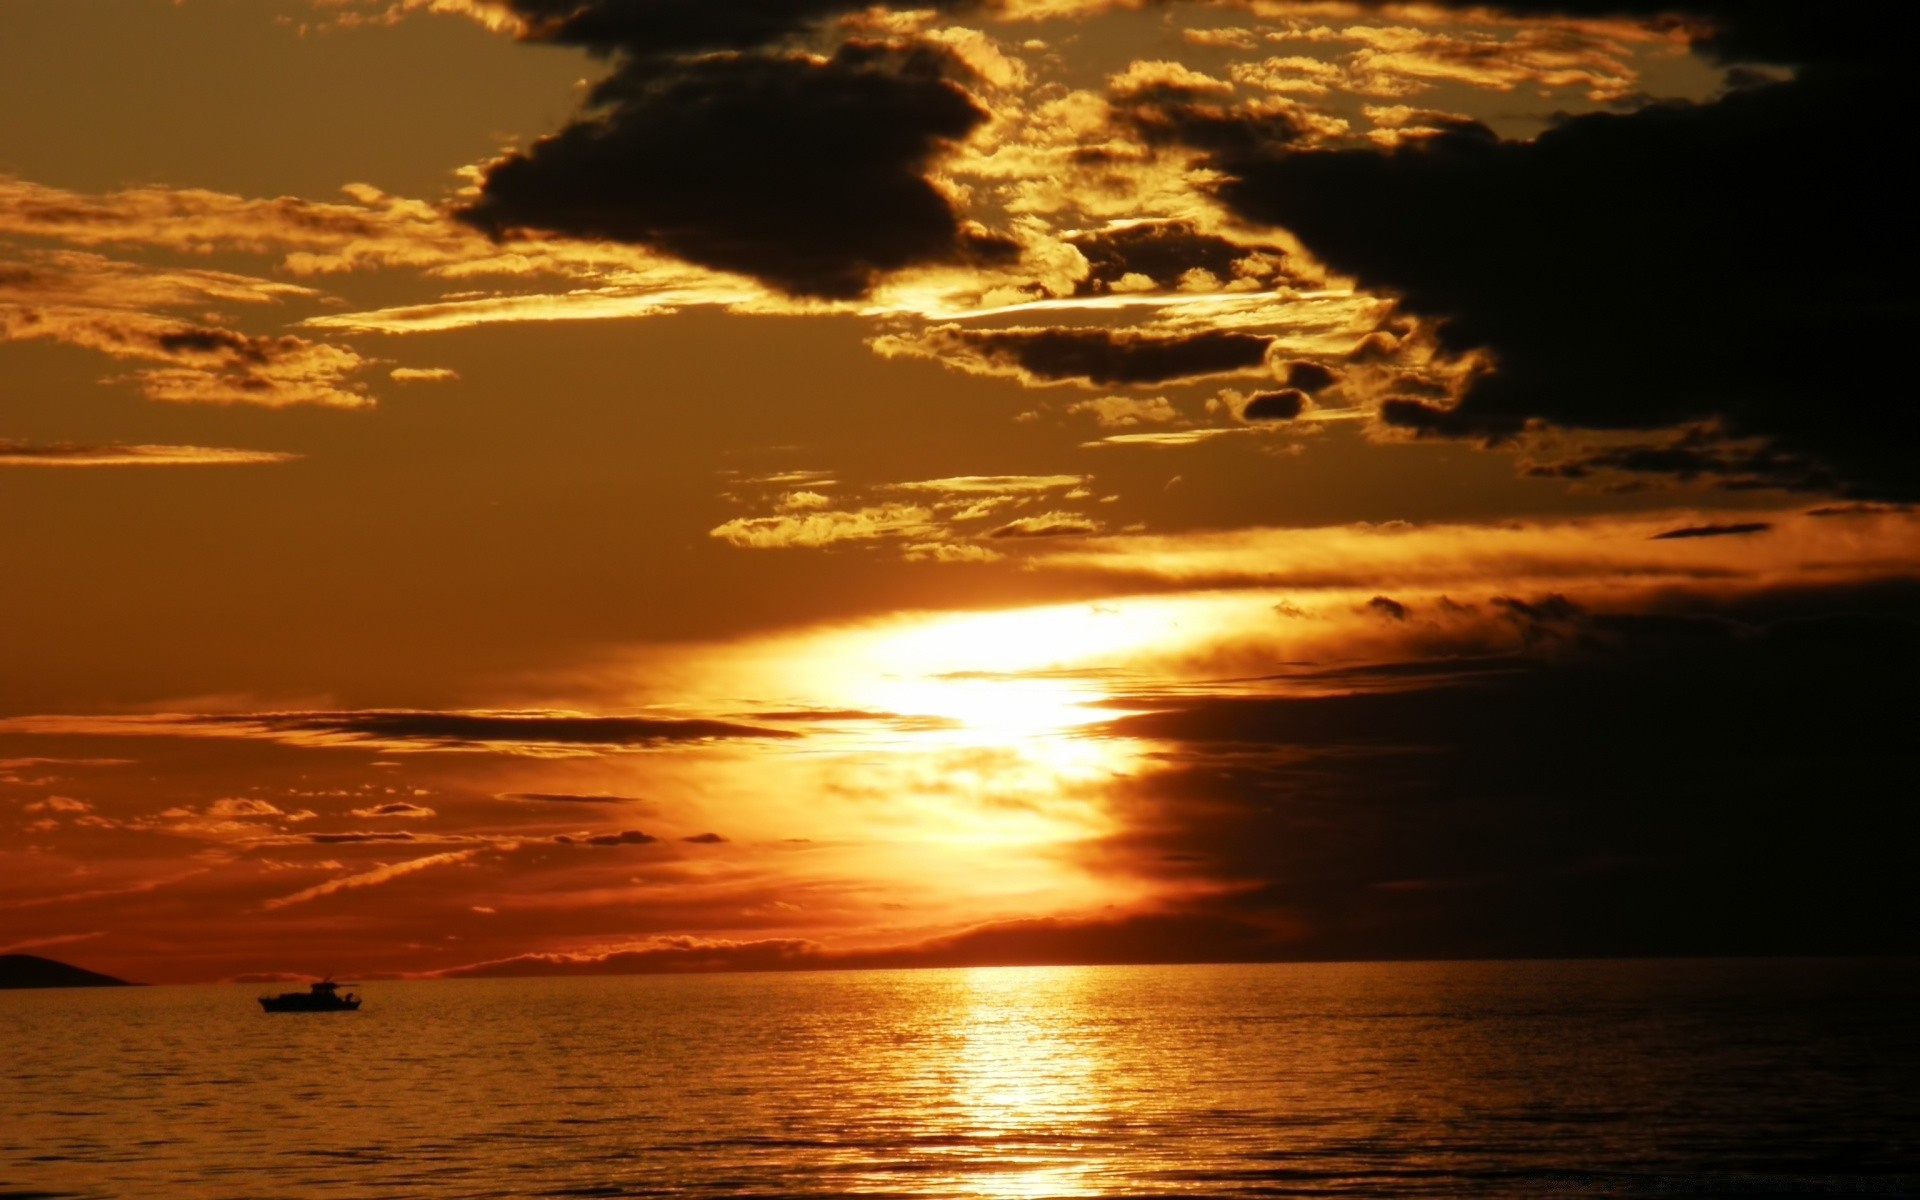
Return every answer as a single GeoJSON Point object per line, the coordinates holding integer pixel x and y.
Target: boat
{"type": "Point", "coordinates": [324, 996]}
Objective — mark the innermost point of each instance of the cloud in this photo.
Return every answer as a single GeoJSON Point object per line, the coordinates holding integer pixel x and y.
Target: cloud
{"type": "Point", "coordinates": [802, 501]}
{"type": "Point", "coordinates": [373, 878]}
{"type": "Point", "coordinates": [1623, 549]}
{"type": "Point", "coordinates": [616, 302]}
{"type": "Point", "coordinates": [1658, 776]}
{"type": "Point", "coordinates": [824, 528]}
{"type": "Point", "coordinates": [1388, 607]}
{"type": "Point", "coordinates": [968, 485]}
{"type": "Point", "coordinates": [65, 804]}
{"type": "Point", "coordinates": [200, 364]}
{"type": "Point", "coordinates": [76, 279]}
{"type": "Point", "coordinates": [807, 173]}
{"type": "Point", "coordinates": [704, 839]}
{"type": "Point", "coordinates": [1397, 61]}
{"type": "Point", "coordinates": [1671, 208]}
{"type": "Point", "coordinates": [57, 939]}
{"type": "Point", "coordinates": [1123, 412]}
{"type": "Point", "coordinates": [83, 454]}
{"type": "Point", "coordinates": [1283, 405]}
{"type": "Point", "coordinates": [228, 819]}
{"type": "Point", "coordinates": [331, 236]}
{"type": "Point", "coordinates": [358, 837]}
{"type": "Point", "coordinates": [1045, 525]}
{"type": "Point", "coordinates": [1163, 254]}
{"type": "Point", "coordinates": [1696, 453]}
{"type": "Point", "coordinates": [87, 300]}
{"type": "Point", "coordinates": [375, 231]}
{"type": "Point", "coordinates": [1143, 938]}
{"type": "Point", "coordinates": [1039, 356]}
{"type": "Point", "coordinates": [1854, 510]}
{"type": "Point", "coordinates": [1310, 377]}
{"type": "Point", "coordinates": [1733, 529]}
{"type": "Point", "coordinates": [374, 837]}
{"type": "Point", "coordinates": [509, 730]}
{"type": "Point", "coordinates": [423, 374]}
{"type": "Point", "coordinates": [136, 888]}
{"type": "Point", "coordinates": [568, 798]}
{"type": "Point", "coordinates": [1174, 437]}
{"type": "Point", "coordinates": [948, 513]}
{"type": "Point", "coordinates": [1767, 31]}
{"type": "Point", "coordinates": [396, 810]}
{"type": "Point", "coordinates": [626, 837]}
{"type": "Point", "coordinates": [948, 552]}
{"type": "Point", "coordinates": [670, 27]}
{"type": "Point", "coordinates": [246, 808]}
{"type": "Point", "coordinates": [539, 733]}
{"type": "Point", "coordinates": [38, 760]}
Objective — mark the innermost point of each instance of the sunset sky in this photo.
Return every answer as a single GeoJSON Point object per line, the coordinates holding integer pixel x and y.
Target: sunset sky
{"type": "Point", "coordinates": [543, 486]}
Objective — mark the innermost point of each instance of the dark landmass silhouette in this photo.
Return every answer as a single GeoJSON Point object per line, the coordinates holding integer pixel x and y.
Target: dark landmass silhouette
{"type": "Point", "coordinates": [32, 971]}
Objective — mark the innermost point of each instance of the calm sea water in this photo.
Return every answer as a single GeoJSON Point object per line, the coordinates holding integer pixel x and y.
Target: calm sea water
{"type": "Point", "coordinates": [1456, 1079]}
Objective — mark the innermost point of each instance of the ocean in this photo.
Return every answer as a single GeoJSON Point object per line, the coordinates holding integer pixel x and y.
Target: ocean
{"type": "Point", "coordinates": [1604, 1078]}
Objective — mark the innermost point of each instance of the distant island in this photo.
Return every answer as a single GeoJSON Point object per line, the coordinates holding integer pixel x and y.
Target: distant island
{"type": "Point", "coordinates": [32, 971]}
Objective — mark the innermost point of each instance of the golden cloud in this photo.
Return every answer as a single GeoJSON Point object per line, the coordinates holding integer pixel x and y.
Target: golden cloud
{"type": "Point", "coordinates": [74, 454]}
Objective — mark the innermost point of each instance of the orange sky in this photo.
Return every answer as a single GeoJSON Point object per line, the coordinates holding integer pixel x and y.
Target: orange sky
{"type": "Point", "coordinates": [490, 487]}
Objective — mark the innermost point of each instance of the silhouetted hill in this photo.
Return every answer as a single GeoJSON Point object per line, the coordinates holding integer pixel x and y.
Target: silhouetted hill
{"type": "Point", "coordinates": [32, 971]}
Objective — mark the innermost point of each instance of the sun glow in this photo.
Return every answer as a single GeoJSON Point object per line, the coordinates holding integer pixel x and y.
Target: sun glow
{"type": "Point", "coordinates": [984, 719]}
{"type": "Point", "coordinates": [931, 745]}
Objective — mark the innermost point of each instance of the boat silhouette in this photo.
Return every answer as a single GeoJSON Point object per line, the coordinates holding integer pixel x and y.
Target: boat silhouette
{"type": "Point", "coordinates": [324, 996]}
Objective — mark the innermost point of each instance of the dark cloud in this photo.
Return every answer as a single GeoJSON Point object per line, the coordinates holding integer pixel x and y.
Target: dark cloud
{"type": "Point", "coordinates": [808, 174]}
{"type": "Point", "coordinates": [238, 347]}
{"type": "Point", "coordinates": [1697, 453]}
{"type": "Point", "coordinates": [568, 798]}
{"type": "Point", "coordinates": [1097, 356]}
{"type": "Point", "coordinates": [1169, 113]}
{"type": "Point", "coordinates": [348, 839]}
{"type": "Point", "coordinates": [1144, 938]}
{"type": "Point", "coordinates": [478, 730]}
{"type": "Point", "coordinates": [1740, 263]}
{"type": "Point", "coordinates": [1736, 529]}
{"type": "Point", "coordinates": [1429, 670]}
{"type": "Point", "coordinates": [1163, 251]}
{"type": "Point", "coordinates": [626, 837]}
{"type": "Point", "coordinates": [1310, 377]}
{"type": "Point", "coordinates": [646, 28]}
{"type": "Point", "coordinates": [1283, 405]}
{"type": "Point", "coordinates": [704, 839]}
{"type": "Point", "coordinates": [1771, 31]}
{"type": "Point", "coordinates": [1854, 510]}
{"type": "Point", "coordinates": [1724, 778]}
{"type": "Point", "coordinates": [823, 714]}
{"type": "Point", "coordinates": [1388, 607]}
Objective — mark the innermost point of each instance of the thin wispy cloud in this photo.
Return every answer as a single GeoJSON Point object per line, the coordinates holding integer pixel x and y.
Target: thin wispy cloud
{"type": "Point", "coordinates": [373, 878]}
{"type": "Point", "coordinates": [73, 454]}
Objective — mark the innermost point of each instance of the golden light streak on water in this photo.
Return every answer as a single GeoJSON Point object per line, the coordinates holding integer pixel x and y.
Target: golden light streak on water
{"type": "Point", "coordinates": [1412, 1081]}
{"type": "Point", "coordinates": [1022, 1087]}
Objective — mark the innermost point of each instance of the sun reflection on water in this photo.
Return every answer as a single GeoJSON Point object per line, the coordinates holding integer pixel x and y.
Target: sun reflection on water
{"type": "Point", "coordinates": [1011, 1099]}
{"type": "Point", "coordinates": [1023, 1093]}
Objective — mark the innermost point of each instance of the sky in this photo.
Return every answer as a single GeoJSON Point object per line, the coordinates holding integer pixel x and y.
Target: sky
{"type": "Point", "coordinates": [597, 486]}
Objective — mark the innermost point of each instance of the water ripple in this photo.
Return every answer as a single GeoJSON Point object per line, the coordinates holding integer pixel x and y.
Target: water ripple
{"type": "Point", "coordinates": [1409, 1080]}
